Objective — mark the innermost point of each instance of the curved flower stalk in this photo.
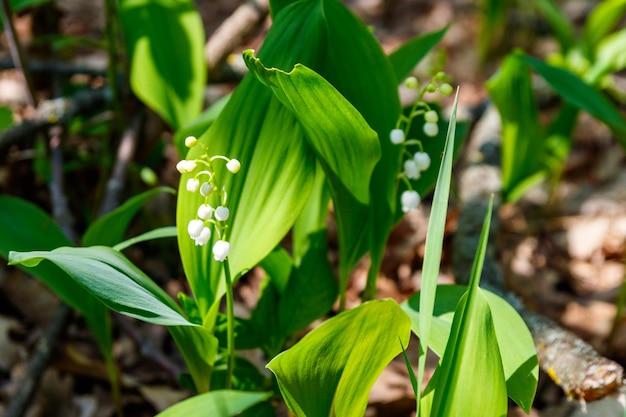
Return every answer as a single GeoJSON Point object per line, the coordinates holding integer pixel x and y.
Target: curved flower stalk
{"type": "Point", "coordinates": [415, 163]}
{"type": "Point", "coordinates": [211, 217]}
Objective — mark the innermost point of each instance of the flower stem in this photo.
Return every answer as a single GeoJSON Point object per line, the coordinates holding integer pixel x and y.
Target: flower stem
{"type": "Point", "coordinates": [230, 317]}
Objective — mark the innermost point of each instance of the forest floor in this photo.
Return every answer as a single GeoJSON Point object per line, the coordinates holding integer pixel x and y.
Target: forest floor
{"type": "Point", "coordinates": [561, 247]}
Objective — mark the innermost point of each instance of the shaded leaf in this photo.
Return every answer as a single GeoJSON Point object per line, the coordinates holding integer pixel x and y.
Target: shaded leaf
{"type": "Point", "coordinates": [162, 232]}
{"type": "Point", "coordinates": [522, 136]}
{"type": "Point", "coordinates": [113, 279]}
{"type": "Point", "coordinates": [574, 90]}
{"type": "Point", "coordinates": [165, 42]}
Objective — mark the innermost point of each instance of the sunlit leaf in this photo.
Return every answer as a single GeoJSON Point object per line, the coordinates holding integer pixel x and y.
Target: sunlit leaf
{"type": "Point", "coordinates": [343, 358]}
{"type": "Point", "coordinates": [222, 403]}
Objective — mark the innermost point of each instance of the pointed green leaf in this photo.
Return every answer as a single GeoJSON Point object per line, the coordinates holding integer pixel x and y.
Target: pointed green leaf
{"type": "Point", "coordinates": [559, 22]}
{"type": "Point", "coordinates": [522, 136]}
{"type": "Point", "coordinates": [160, 233]}
{"type": "Point", "coordinates": [434, 244]}
{"type": "Point", "coordinates": [113, 279]}
{"type": "Point", "coordinates": [574, 90]}
{"type": "Point", "coordinates": [601, 21]}
{"type": "Point", "coordinates": [519, 358]}
{"type": "Point", "coordinates": [410, 53]}
{"type": "Point", "coordinates": [223, 403]}
{"type": "Point", "coordinates": [19, 216]}
{"type": "Point", "coordinates": [165, 41]}
{"type": "Point", "coordinates": [343, 358]}
{"type": "Point", "coordinates": [198, 347]}
{"type": "Point", "coordinates": [346, 146]}
{"type": "Point", "coordinates": [472, 353]}
{"type": "Point", "coordinates": [109, 229]}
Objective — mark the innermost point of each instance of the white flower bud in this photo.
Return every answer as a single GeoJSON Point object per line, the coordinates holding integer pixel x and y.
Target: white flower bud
{"type": "Point", "coordinates": [396, 136]}
{"type": "Point", "coordinates": [195, 228]}
{"type": "Point", "coordinates": [185, 166]}
{"type": "Point", "coordinates": [411, 170]}
{"type": "Point", "coordinates": [222, 213]}
{"type": "Point", "coordinates": [191, 141]}
{"type": "Point", "coordinates": [193, 184]}
{"type": "Point", "coordinates": [221, 249]}
{"type": "Point", "coordinates": [431, 129]}
{"type": "Point", "coordinates": [422, 159]}
{"type": "Point", "coordinates": [204, 236]}
{"type": "Point", "coordinates": [205, 211]}
{"type": "Point", "coordinates": [205, 189]}
{"type": "Point", "coordinates": [431, 116]}
{"type": "Point", "coordinates": [410, 200]}
{"type": "Point", "coordinates": [233, 166]}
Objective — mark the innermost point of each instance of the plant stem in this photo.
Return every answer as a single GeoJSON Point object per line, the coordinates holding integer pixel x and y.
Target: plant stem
{"type": "Point", "coordinates": [230, 316]}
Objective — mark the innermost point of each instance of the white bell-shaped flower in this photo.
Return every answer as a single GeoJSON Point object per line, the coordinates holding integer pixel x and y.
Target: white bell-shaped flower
{"type": "Point", "coordinates": [221, 249]}
{"type": "Point", "coordinates": [431, 116]}
{"type": "Point", "coordinates": [422, 159]}
{"type": "Point", "coordinates": [205, 189]}
{"type": "Point", "coordinates": [194, 228]}
{"type": "Point", "coordinates": [411, 170]}
{"type": "Point", "coordinates": [233, 166]}
{"type": "Point", "coordinates": [410, 200]}
{"type": "Point", "coordinates": [191, 141]}
{"type": "Point", "coordinates": [222, 213]}
{"type": "Point", "coordinates": [431, 129]}
{"type": "Point", "coordinates": [396, 136]}
{"type": "Point", "coordinates": [204, 236]}
{"type": "Point", "coordinates": [193, 184]}
{"type": "Point", "coordinates": [205, 211]}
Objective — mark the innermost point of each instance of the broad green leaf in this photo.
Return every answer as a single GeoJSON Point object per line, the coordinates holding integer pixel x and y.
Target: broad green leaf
{"type": "Point", "coordinates": [574, 90]}
{"type": "Point", "coordinates": [410, 53]}
{"type": "Point", "coordinates": [17, 217]}
{"type": "Point", "coordinates": [342, 359]}
{"type": "Point", "coordinates": [519, 358]}
{"type": "Point", "coordinates": [109, 229]}
{"type": "Point", "coordinates": [522, 136]}
{"type": "Point", "coordinates": [434, 243]}
{"type": "Point", "coordinates": [222, 403]}
{"type": "Point", "coordinates": [199, 125]}
{"type": "Point", "coordinates": [112, 279]}
{"type": "Point", "coordinates": [472, 353]}
{"type": "Point", "coordinates": [277, 5]}
{"type": "Point", "coordinates": [601, 21]}
{"type": "Point", "coordinates": [559, 23]}
{"type": "Point", "coordinates": [278, 166]}
{"type": "Point", "coordinates": [165, 42]}
{"type": "Point", "coordinates": [344, 144]}
{"type": "Point", "coordinates": [160, 233]}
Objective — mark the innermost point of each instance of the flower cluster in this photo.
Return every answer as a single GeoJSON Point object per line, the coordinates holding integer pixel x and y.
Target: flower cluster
{"type": "Point", "coordinates": [213, 212]}
{"type": "Point", "coordinates": [415, 163]}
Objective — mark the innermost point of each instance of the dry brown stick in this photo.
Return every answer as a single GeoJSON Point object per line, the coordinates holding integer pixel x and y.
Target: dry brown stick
{"type": "Point", "coordinates": [573, 364]}
{"type": "Point", "coordinates": [232, 32]}
{"type": "Point", "coordinates": [56, 111]}
{"type": "Point", "coordinates": [17, 54]}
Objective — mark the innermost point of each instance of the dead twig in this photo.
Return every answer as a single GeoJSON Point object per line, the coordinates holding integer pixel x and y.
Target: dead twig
{"type": "Point", "coordinates": [232, 32]}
